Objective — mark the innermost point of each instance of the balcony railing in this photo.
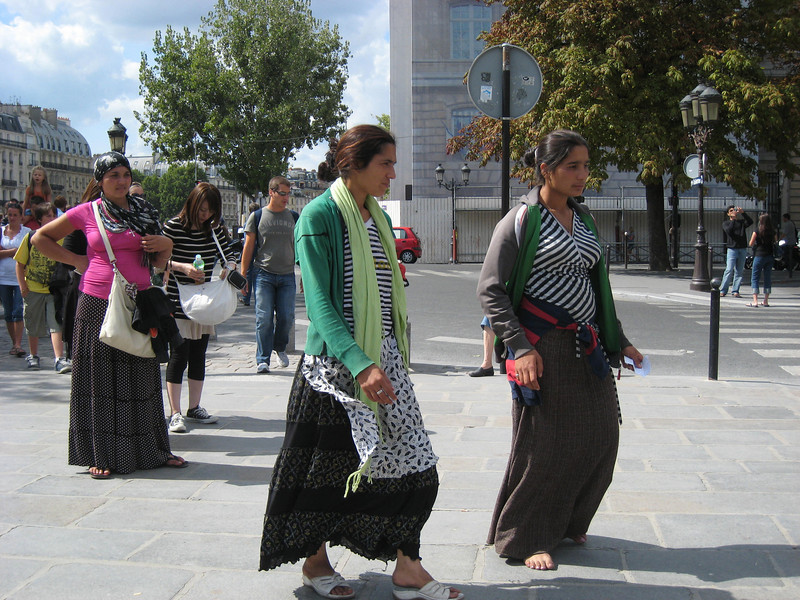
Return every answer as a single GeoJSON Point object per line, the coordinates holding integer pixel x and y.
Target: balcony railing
{"type": "Point", "coordinates": [63, 167]}
{"type": "Point", "coordinates": [9, 183]}
{"type": "Point", "coordinates": [14, 144]}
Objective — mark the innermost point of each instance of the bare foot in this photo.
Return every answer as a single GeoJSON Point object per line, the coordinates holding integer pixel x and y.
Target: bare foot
{"type": "Point", "coordinates": [541, 561]}
{"type": "Point", "coordinates": [579, 539]}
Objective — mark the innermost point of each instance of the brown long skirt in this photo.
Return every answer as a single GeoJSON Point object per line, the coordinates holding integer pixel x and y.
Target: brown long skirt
{"type": "Point", "coordinates": [562, 454]}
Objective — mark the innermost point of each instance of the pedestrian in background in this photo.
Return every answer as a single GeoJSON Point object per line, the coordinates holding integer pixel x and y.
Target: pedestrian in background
{"type": "Point", "coordinates": [788, 242]}
{"type": "Point", "coordinates": [191, 235]}
{"type": "Point", "coordinates": [269, 246]}
{"type": "Point", "coordinates": [249, 291]}
{"type": "Point", "coordinates": [763, 244]}
{"type": "Point", "coordinates": [34, 271]}
{"type": "Point", "coordinates": [38, 186]}
{"type": "Point", "coordinates": [117, 420]}
{"type": "Point", "coordinates": [356, 468]}
{"type": "Point", "coordinates": [13, 234]}
{"type": "Point", "coordinates": [486, 369]}
{"type": "Point", "coordinates": [544, 287]}
{"type": "Point", "coordinates": [734, 234]}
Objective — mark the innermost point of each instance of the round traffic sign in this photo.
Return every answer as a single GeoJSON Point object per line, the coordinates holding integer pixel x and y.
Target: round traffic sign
{"type": "Point", "coordinates": [691, 166]}
{"type": "Point", "coordinates": [485, 82]}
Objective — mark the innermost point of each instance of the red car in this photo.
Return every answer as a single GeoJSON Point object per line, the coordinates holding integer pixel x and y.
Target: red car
{"type": "Point", "coordinates": [409, 248]}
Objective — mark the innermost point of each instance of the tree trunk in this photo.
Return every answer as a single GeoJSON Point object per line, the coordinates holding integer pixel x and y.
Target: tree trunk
{"type": "Point", "coordinates": [656, 233]}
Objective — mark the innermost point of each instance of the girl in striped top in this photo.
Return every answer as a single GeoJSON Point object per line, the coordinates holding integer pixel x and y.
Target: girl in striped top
{"type": "Point", "coordinates": [191, 235]}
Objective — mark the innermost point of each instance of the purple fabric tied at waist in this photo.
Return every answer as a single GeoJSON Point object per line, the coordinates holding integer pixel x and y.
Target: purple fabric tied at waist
{"type": "Point", "coordinates": [537, 317]}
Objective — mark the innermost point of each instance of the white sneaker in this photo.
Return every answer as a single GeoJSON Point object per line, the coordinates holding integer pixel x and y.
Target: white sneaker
{"type": "Point", "coordinates": [283, 360]}
{"type": "Point", "coordinates": [177, 424]}
{"type": "Point", "coordinates": [262, 368]}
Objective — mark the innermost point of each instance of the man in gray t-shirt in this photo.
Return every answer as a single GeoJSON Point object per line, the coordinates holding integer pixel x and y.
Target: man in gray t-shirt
{"type": "Point", "coordinates": [269, 235]}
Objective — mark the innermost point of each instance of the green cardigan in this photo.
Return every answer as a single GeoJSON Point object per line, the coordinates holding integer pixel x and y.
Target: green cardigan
{"type": "Point", "coordinates": [319, 247]}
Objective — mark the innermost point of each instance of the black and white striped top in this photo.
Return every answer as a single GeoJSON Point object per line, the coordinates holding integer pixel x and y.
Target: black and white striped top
{"type": "Point", "coordinates": [187, 244]}
{"type": "Point", "coordinates": [560, 273]}
{"type": "Point", "coordinates": [383, 270]}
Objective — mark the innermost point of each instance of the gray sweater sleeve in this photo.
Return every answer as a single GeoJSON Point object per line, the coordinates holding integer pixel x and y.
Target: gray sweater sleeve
{"type": "Point", "coordinates": [492, 292]}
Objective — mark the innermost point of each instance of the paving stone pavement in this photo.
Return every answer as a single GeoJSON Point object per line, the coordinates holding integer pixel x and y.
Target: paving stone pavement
{"type": "Point", "coordinates": [704, 503]}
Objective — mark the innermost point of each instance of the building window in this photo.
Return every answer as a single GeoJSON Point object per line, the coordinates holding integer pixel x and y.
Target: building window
{"type": "Point", "coordinates": [466, 24]}
{"type": "Point", "coordinates": [461, 117]}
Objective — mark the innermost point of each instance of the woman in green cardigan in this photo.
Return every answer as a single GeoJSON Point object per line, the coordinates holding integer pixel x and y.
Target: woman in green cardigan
{"type": "Point", "coordinates": [356, 468]}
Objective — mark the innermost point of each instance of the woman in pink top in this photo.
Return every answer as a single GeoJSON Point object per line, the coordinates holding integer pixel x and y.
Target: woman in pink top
{"type": "Point", "coordinates": [116, 406]}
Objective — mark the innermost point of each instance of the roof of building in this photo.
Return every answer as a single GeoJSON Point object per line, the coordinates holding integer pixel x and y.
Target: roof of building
{"type": "Point", "coordinates": [61, 138]}
{"type": "Point", "coordinates": [10, 123]}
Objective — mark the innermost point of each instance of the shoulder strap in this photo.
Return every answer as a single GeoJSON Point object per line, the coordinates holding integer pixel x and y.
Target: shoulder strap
{"type": "Point", "coordinates": [111, 256]}
{"type": "Point", "coordinates": [219, 247]}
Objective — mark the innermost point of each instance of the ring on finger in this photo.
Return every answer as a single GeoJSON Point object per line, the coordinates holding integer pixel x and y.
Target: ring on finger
{"type": "Point", "coordinates": [379, 392]}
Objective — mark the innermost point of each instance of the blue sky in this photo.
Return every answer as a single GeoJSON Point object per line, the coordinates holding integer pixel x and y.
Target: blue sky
{"type": "Point", "coordinates": [82, 58]}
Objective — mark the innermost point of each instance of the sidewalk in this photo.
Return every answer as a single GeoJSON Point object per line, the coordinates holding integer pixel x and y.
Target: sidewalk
{"type": "Point", "coordinates": [703, 505]}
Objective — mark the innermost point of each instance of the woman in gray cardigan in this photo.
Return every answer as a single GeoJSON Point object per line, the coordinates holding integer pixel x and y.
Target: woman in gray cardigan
{"type": "Point", "coordinates": [545, 290]}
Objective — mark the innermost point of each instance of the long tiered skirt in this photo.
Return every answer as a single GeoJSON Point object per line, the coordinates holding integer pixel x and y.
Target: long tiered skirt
{"type": "Point", "coordinates": [116, 413]}
{"type": "Point", "coordinates": [307, 506]}
{"type": "Point", "coordinates": [562, 454]}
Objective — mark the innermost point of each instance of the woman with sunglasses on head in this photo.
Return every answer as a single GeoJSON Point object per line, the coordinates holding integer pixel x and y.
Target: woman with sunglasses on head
{"type": "Point", "coordinates": [544, 288]}
{"type": "Point", "coordinates": [192, 233]}
{"type": "Point", "coordinates": [117, 420]}
{"type": "Point", "coordinates": [356, 468]}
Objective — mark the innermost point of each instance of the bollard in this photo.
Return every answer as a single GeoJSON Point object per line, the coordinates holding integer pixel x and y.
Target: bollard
{"type": "Point", "coordinates": [713, 331]}
{"type": "Point", "coordinates": [608, 258]}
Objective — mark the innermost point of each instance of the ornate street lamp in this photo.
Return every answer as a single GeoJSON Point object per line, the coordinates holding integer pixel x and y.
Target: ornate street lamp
{"type": "Point", "coordinates": [700, 112]}
{"type": "Point", "coordinates": [452, 186]}
{"type": "Point", "coordinates": [117, 137]}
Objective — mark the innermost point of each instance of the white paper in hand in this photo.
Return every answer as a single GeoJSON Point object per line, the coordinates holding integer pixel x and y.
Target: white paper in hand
{"type": "Point", "coordinates": [644, 370]}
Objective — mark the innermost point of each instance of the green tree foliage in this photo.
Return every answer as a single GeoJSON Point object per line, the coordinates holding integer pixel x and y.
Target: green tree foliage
{"type": "Point", "coordinates": [615, 71]}
{"type": "Point", "coordinates": [168, 193]}
{"type": "Point", "coordinates": [259, 81]}
{"type": "Point", "coordinates": [384, 121]}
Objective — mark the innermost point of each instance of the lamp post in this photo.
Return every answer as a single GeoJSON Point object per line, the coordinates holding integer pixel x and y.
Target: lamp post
{"type": "Point", "coordinates": [700, 112]}
{"type": "Point", "coordinates": [452, 186]}
{"type": "Point", "coordinates": [117, 137]}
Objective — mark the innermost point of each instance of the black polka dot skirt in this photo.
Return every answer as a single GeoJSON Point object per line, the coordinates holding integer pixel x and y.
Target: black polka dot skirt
{"type": "Point", "coordinates": [116, 405]}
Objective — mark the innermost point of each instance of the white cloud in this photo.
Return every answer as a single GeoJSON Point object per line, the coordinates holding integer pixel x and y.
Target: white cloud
{"type": "Point", "coordinates": [85, 59]}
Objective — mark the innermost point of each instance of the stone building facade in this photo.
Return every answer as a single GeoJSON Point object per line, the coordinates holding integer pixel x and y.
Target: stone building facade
{"type": "Point", "coordinates": [31, 136]}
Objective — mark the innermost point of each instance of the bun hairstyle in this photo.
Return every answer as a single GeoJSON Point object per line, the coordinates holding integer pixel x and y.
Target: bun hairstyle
{"type": "Point", "coordinates": [353, 151]}
{"type": "Point", "coordinates": [326, 171]}
{"type": "Point", "coordinates": [552, 150]}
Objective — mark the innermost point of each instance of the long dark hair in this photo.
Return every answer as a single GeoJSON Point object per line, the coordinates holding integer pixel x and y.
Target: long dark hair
{"type": "Point", "coordinates": [552, 150]}
{"type": "Point", "coordinates": [353, 151]}
{"type": "Point", "coordinates": [189, 217]}
{"type": "Point", "coordinates": [765, 229]}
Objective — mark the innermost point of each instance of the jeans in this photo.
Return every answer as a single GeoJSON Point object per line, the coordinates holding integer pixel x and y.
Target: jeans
{"type": "Point", "coordinates": [275, 295]}
{"type": "Point", "coordinates": [762, 263]}
{"type": "Point", "coordinates": [733, 269]}
{"type": "Point", "coordinates": [11, 298]}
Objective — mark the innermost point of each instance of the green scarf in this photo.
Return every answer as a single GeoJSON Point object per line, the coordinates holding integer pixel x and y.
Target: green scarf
{"type": "Point", "coordinates": [368, 326]}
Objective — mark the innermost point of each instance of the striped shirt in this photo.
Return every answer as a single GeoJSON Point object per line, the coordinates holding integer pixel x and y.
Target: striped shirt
{"type": "Point", "coordinates": [383, 270]}
{"type": "Point", "coordinates": [187, 244]}
{"type": "Point", "coordinates": [560, 273]}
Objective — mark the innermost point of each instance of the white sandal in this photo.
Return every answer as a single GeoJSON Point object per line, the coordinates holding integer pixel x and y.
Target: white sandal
{"type": "Point", "coordinates": [323, 585]}
{"type": "Point", "coordinates": [433, 590]}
